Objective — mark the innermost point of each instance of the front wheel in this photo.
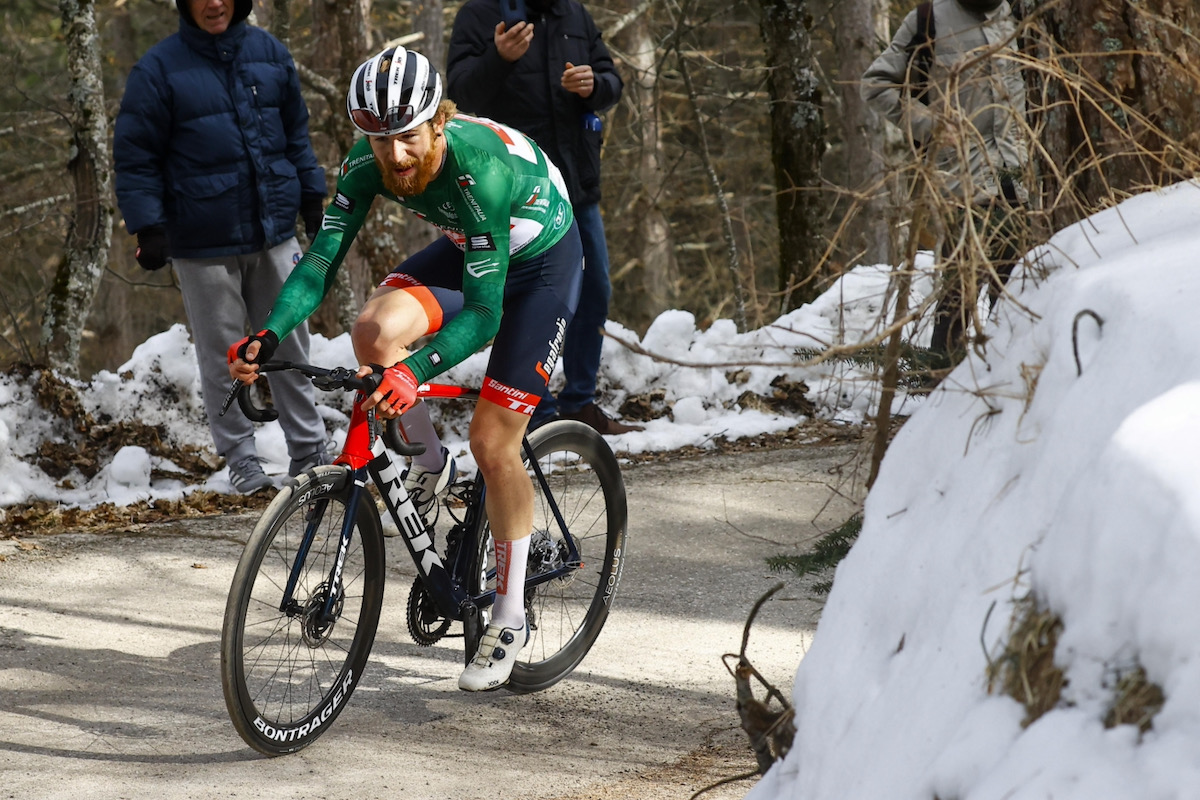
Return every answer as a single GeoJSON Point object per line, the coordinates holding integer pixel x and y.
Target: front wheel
{"type": "Point", "coordinates": [289, 664]}
{"type": "Point", "coordinates": [567, 612]}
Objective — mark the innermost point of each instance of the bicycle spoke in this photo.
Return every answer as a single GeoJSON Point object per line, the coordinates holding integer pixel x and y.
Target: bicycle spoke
{"type": "Point", "coordinates": [281, 668]}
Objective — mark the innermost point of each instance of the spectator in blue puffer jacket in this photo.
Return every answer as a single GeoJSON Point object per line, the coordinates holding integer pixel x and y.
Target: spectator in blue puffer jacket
{"type": "Point", "coordinates": [213, 164]}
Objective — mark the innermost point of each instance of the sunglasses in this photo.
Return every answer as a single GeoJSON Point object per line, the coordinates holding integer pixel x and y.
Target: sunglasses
{"type": "Point", "coordinates": [393, 120]}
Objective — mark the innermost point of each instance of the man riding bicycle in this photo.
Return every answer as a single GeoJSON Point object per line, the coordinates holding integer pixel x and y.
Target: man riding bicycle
{"type": "Point", "coordinates": [509, 267]}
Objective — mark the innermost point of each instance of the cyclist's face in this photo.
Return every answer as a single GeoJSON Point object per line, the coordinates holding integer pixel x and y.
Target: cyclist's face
{"type": "Point", "coordinates": [409, 161]}
{"type": "Point", "coordinates": [213, 16]}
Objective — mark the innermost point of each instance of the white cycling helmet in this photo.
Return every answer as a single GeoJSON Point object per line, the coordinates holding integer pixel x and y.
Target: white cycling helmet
{"type": "Point", "coordinates": [393, 92]}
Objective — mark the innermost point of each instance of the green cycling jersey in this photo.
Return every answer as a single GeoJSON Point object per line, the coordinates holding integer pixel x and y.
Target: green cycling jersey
{"type": "Point", "coordinates": [497, 197]}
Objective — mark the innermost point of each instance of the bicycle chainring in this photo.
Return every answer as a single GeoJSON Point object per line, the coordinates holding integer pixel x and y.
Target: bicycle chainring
{"type": "Point", "coordinates": [426, 625]}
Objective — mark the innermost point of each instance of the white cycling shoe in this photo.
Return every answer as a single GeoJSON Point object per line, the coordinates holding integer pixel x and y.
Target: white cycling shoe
{"type": "Point", "coordinates": [494, 660]}
{"type": "Point", "coordinates": [427, 486]}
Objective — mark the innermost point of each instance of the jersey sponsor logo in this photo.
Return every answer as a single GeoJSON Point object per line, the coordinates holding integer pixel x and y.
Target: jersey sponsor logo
{"type": "Point", "coordinates": [544, 368]}
{"type": "Point", "coordinates": [448, 211]}
{"type": "Point", "coordinates": [536, 203]}
{"type": "Point", "coordinates": [465, 182]}
{"type": "Point", "coordinates": [344, 203]}
{"type": "Point", "coordinates": [435, 359]}
{"type": "Point", "coordinates": [481, 241]}
{"type": "Point", "coordinates": [296, 257]}
{"type": "Point", "coordinates": [329, 223]}
{"type": "Point", "coordinates": [560, 216]}
{"type": "Point", "coordinates": [351, 164]}
{"type": "Point", "coordinates": [481, 268]}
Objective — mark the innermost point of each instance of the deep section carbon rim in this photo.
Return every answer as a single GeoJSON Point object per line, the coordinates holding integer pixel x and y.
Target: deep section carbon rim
{"type": "Point", "coordinates": [567, 613]}
{"type": "Point", "coordinates": [288, 672]}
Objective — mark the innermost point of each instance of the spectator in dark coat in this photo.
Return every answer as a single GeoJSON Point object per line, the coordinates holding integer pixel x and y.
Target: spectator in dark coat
{"type": "Point", "coordinates": [213, 164]}
{"type": "Point", "coordinates": [549, 77]}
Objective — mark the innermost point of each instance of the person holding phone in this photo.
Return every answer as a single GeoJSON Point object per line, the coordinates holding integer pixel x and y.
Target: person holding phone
{"type": "Point", "coordinates": [542, 67]}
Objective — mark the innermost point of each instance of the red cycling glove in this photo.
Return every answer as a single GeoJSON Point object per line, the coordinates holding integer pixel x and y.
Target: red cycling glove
{"type": "Point", "coordinates": [268, 343]}
{"type": "Point", "coordinates": [399, 387]}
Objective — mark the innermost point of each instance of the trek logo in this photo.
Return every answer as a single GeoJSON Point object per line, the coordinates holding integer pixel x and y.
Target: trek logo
{"type": "Point", "coordinates": [405, 514]}
{"type": "Point", "coordinates": [344, 203]}
{"type": "Point", "coordinates": [319, 719]}
{"type": "Point", "coordinates": [482, 241]}
{"type": "Point", "coordinates": [546, 367]}
{"type": "Point", "coordinates": [486, 267]}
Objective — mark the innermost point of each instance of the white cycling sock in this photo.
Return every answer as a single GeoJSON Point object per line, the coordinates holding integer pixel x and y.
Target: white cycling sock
{"type": "Point", "coordinates": [417, 426]}
{"type": "Point", "coordinates": [511, 561]}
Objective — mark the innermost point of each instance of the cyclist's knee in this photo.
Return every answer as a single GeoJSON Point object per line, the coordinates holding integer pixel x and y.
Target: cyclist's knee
{"type": "Point", "coordinates": [495, 438]}
{"type": "Point", "coordinates": [389, 322]}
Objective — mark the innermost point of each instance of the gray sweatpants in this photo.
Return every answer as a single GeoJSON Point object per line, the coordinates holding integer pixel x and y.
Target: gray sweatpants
{"type": "Point", "coordinates": [220, 295]}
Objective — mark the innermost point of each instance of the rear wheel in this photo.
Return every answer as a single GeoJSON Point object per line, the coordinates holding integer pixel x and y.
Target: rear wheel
{"type": "Point", "coordinates": [565, 613]}
{"type": "Point", "coordinates": [288, 671]}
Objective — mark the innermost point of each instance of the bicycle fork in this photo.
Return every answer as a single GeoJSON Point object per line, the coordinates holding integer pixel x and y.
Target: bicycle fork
{"type": "Point", "coordinates": [330, 604]}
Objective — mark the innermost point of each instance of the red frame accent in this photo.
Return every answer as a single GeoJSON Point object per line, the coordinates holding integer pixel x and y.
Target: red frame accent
{"type": "Point", "coordinates": [357, 450]}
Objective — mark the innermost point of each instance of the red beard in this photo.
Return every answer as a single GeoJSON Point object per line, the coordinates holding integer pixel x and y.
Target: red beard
{"type": "Point", "coordinates": [417, 182]}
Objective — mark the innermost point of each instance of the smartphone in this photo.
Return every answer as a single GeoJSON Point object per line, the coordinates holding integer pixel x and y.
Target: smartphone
{"type": "Point", "coordinates": [512, 12]}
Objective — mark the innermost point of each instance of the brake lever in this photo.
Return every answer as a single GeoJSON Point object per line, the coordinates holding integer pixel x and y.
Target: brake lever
{"type": "Point", "coordinates": [233, 390]}
{"type": "Point", "coordinates": [335, 379]}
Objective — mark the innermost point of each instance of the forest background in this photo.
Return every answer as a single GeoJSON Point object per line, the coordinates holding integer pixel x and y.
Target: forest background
{"type": "Point", "coordinates": [742, 173]}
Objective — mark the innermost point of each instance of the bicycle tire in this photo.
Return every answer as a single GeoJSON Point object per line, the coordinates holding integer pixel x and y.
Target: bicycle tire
{"type": "Point", "coordinates": [567, 614]}
{"type": "Point", "coordinates": [286, 677]}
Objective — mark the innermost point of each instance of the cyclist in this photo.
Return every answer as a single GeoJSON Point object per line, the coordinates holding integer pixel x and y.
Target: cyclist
{"type": "Point", "coordinates": [509, 266]}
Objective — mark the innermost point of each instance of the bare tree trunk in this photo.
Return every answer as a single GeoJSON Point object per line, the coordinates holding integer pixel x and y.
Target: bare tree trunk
{"type": "Point", "coordinates": [797, 144]}
{"type": "Point", "coordinates": [732, 261]}
{"type": "Point", "coordinates": [656, 245]}
{"type": "Point", "coordinates": [343, 32]}
{"type": "Point", "coordinates": [276, 17]}
{"type": "Point", "coordinates": [1122, 96]}
{"type": "Point", "coordinates": [863, 131]}
{"type": "Point", "coordinates": [86, 252]}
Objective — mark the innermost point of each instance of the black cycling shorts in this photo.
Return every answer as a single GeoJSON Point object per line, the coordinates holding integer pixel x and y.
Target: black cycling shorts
{"type": "Point", "coordinates": [540, 297]}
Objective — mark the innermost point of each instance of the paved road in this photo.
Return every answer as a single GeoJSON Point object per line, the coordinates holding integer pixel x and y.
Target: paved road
{"type": "Point", "coordinates": [110, 688]}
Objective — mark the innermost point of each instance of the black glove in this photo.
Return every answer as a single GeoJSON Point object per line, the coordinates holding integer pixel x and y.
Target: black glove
{"type": "Point", "coordinates": [311, 211]}
{"type": "Point", "coordinates": [151, 251]}
{"type": "Point", "coordinates": [268, 343]}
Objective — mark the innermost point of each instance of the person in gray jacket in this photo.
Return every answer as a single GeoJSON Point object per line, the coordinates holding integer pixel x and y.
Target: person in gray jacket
{"type": "Point", "coordinates": [951, 81]}
{"type": "Point", "coordinates": [213, 165]}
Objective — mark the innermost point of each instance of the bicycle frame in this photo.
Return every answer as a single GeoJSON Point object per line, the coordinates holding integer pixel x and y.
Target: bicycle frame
{"type": "Point", "coordinates": [366, 455]}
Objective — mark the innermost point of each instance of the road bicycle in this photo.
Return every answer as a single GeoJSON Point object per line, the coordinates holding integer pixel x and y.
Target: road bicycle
{"type": "Point", "coordinates": [306, 597]}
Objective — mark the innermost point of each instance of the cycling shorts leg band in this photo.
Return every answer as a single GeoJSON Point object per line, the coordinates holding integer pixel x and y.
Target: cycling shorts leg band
{"type": "Point", "coordinates": [422, 294]}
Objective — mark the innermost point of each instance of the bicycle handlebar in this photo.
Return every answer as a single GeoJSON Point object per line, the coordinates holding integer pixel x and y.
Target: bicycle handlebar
{"type": "Point", "coordinates": [327, 380]}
